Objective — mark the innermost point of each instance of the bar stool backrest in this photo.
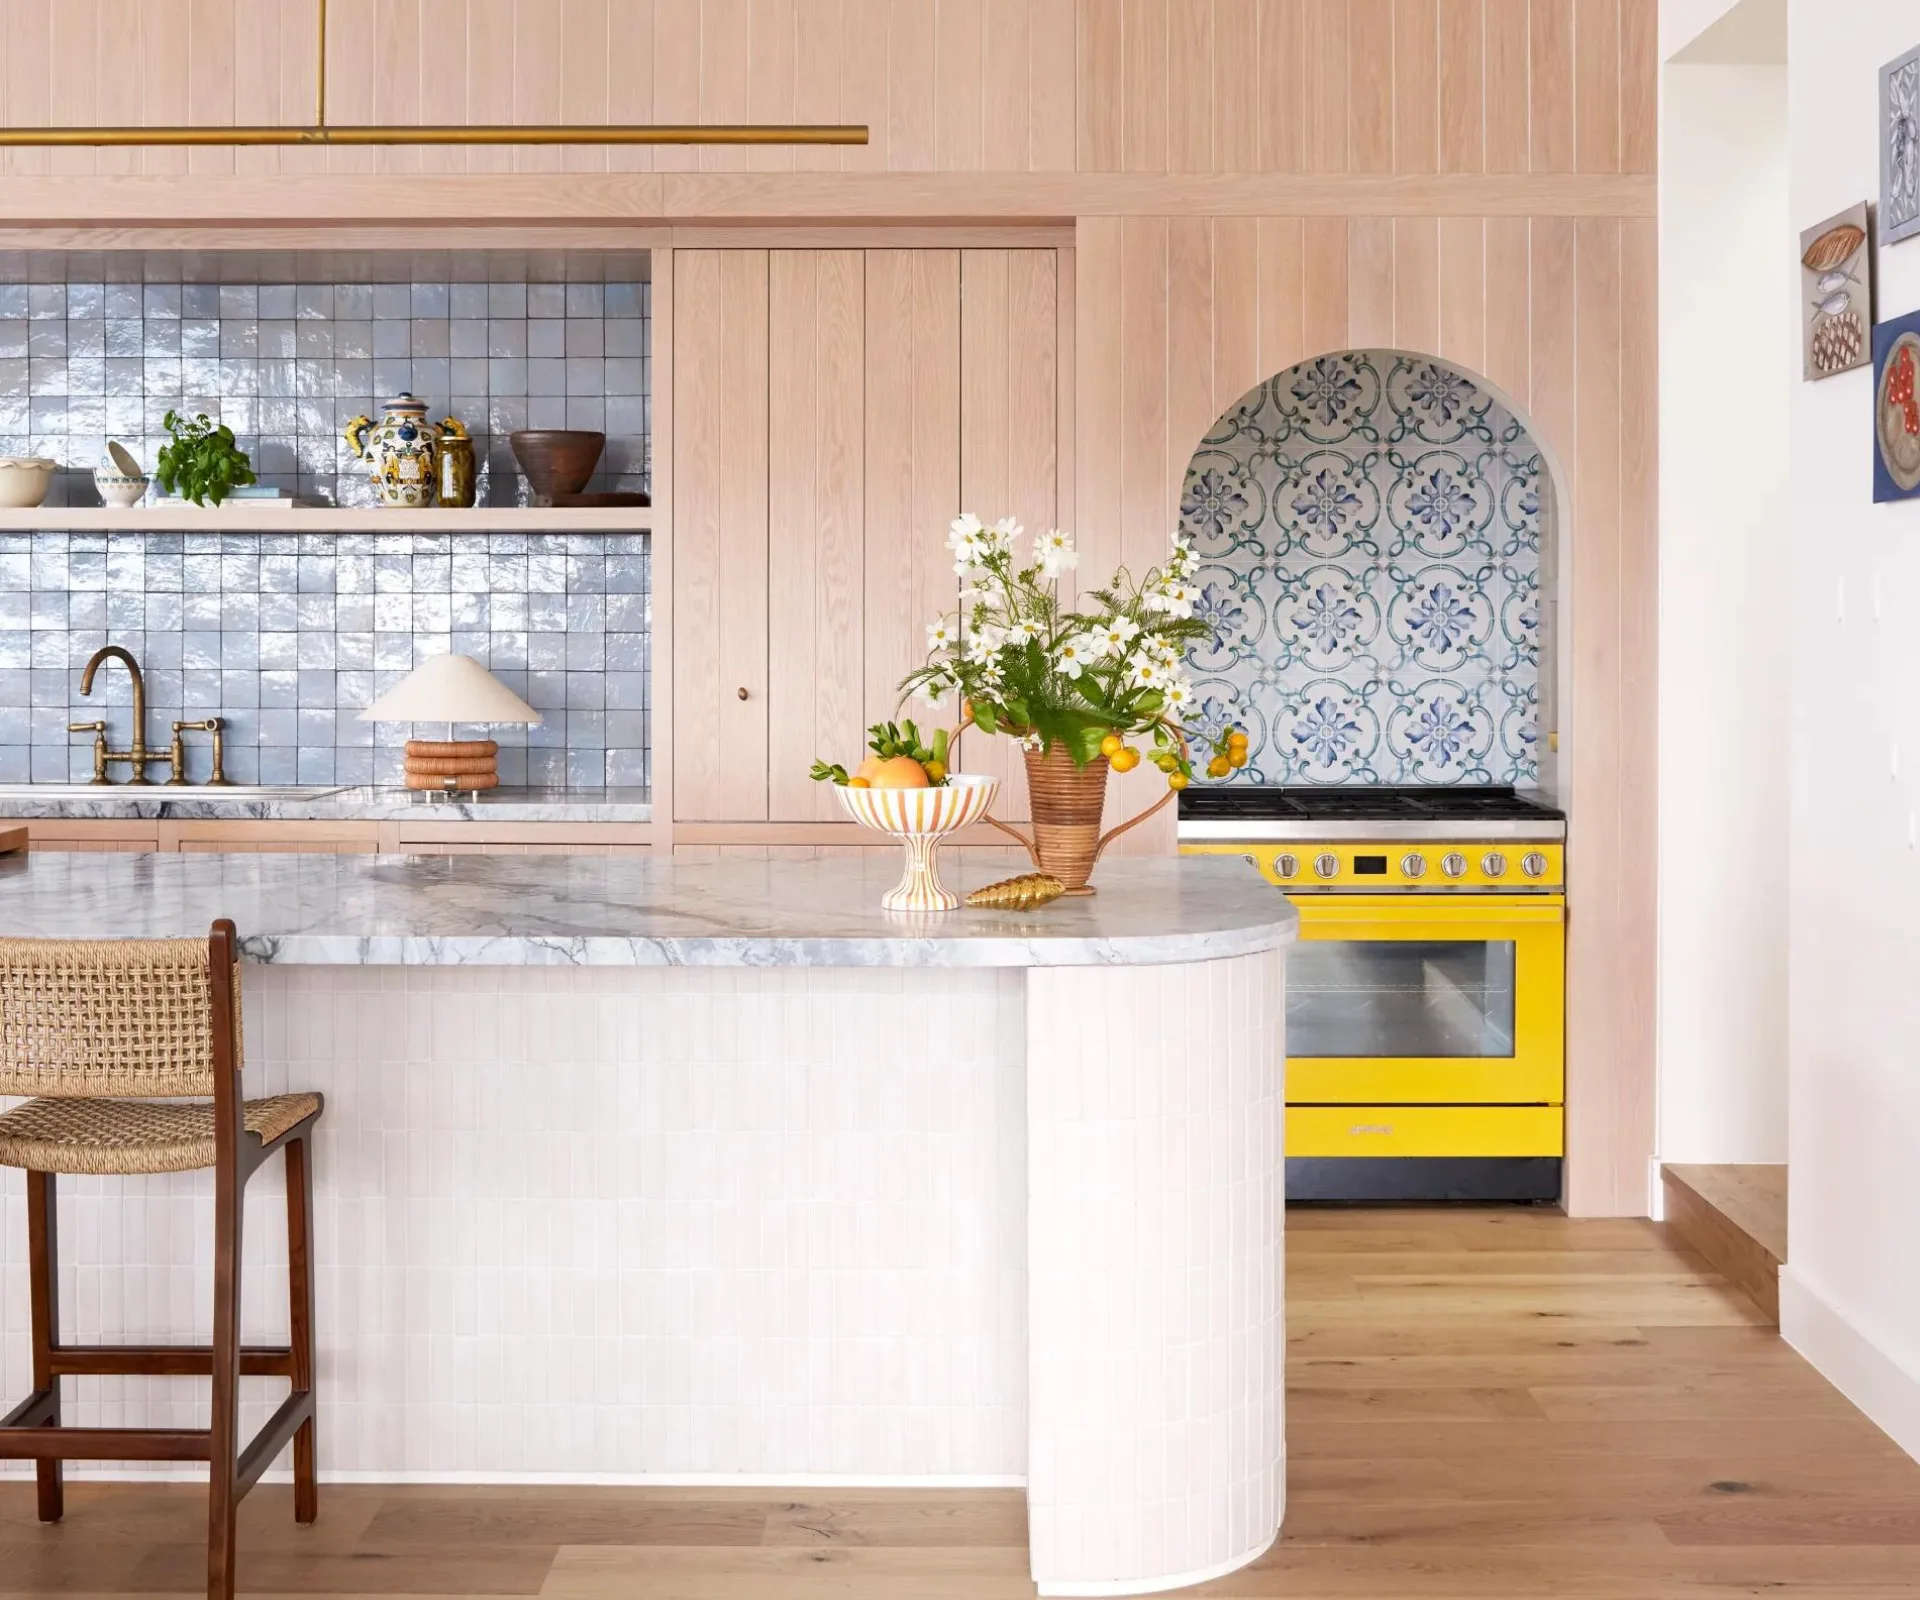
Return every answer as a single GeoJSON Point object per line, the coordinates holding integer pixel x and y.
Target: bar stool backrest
{"type": "Point", "coordinates": [109, 1018]}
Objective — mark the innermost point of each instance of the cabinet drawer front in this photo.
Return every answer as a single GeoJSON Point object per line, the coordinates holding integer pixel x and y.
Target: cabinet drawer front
{"type": "Point", "coordinates": [1446, 1080]}
{"type": "Point", "coordinates": [1402, 1130]}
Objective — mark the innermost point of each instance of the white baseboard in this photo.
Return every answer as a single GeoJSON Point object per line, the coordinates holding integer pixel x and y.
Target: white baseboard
{"type": "Point", "coordinates": [1851, 1361]}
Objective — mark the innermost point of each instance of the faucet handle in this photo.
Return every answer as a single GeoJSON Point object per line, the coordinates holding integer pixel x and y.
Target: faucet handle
{"type": "Point", "coordinates": [86, 727]}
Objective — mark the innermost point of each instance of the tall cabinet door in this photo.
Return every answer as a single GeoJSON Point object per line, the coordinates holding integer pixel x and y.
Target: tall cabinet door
{"type": "Point", "coordinates": [834, 410]}
{"type": "Point", "coordinates": [720, 498]}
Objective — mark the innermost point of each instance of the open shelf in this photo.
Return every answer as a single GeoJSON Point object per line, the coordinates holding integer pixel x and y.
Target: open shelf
{"type": "Point", "coordinates": [238, 517]}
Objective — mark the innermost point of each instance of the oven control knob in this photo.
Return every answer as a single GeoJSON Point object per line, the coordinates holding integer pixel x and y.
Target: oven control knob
{"type": "Point", "coordinates": [1413, 865]}
{"type": "Point", "coordinates": [1533, 863]}
{"type": "Point", "coordinates": [1453, 863]}
{"type": "Point", "coordinates": [1326, 864]}
{"type": "Point", "coordinates": [1286, 864]}
{"type": "Point", "coordinates": [1493, 864]}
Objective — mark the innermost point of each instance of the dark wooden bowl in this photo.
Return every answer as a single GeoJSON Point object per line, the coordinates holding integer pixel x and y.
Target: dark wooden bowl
{"type": "Point", "coordinates": [556, 460]}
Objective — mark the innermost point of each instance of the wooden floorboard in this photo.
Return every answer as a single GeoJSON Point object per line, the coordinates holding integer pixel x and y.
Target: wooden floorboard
{"type": "Point", "coordinates": [1484, 1405]}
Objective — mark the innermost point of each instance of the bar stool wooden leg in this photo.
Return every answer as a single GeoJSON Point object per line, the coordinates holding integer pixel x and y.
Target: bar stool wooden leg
{"type": "Point", "coordinates": [306, 1491]}
{"type": "Point", "coordinates": [43, 1271]}
{"type": "Point", "coordinates": [223, 1467]}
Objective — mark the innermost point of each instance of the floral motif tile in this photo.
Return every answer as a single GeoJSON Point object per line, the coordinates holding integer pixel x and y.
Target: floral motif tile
{"type": "Point", "coordinates": [1369, 526]}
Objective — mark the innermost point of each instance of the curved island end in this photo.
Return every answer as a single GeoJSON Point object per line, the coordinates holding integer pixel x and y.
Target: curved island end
{"type": "Point", "coordinates": [716, 1172]}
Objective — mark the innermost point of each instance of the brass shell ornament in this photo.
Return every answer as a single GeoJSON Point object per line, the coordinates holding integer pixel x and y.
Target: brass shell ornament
{"type": "Point", "coordinates": [1028, 892]}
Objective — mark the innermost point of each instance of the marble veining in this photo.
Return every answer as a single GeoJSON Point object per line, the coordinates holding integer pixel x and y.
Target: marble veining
{"type": "Point", "coordinates": [593, 912]}
{"type": "Point", "coordinates": [373, 804]}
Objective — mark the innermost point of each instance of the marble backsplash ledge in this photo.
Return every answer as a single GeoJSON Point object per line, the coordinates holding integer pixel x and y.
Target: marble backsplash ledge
{"type": "Point", "coordinates": [288, 636]}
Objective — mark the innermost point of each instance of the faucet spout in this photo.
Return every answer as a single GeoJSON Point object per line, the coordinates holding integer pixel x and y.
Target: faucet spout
{"type": "Point", "coordinates": [136, 753]}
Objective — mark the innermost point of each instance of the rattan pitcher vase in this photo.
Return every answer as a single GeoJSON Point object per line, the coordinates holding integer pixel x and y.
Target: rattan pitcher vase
{"type": "Point", "coordinates": [1067, 801]}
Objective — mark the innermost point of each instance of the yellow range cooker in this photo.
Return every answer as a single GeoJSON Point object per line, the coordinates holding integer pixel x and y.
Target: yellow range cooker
{"type": "Point", "coordinates": [1426, 1001]}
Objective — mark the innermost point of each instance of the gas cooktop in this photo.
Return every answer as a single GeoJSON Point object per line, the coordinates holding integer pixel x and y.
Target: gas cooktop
{"type": "Point", "coordinates": [1269, 811]}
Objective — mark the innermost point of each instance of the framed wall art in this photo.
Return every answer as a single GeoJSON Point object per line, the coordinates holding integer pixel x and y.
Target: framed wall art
{"type": "Point", "coordinates": [1900, 148]}
{"type": "Point", "coordinates": [1836, 294]}
{"type": "Point", "coordinates": [1896, 408]}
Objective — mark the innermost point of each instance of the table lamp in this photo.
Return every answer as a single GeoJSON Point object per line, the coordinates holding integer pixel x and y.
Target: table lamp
{"type": "Point", "coordinates": [451, 689]}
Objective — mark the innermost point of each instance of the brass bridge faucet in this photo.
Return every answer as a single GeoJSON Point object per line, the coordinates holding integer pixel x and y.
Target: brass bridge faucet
{"type": "Point", "coordinates": [137, 755]}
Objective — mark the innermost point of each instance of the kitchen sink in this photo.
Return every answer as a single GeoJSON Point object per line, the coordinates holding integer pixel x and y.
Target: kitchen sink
{"type": "Point", "coordinates": [163, 791]}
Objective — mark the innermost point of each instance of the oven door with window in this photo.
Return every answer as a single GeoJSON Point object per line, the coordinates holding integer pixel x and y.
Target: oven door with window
{"type": "Point", "coordinates": [1427, 999]}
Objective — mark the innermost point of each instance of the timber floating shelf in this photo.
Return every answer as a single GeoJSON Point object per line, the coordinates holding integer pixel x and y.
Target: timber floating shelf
{"type": "Point", "coordinates": [241, 518]}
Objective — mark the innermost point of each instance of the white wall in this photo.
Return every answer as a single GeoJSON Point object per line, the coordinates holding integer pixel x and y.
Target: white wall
{"type": "Point", "coordinates": [1851, 1291]}
{"type": "Point", "coordinates": [1727, 307]}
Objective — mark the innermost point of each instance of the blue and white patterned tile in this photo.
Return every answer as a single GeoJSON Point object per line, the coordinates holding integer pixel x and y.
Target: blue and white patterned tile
{"type": "Point", "coordinates": [1369, 526]}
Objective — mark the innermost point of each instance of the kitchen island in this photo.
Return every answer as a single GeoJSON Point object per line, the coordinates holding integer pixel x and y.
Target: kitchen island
{"type": "Point", "coordinates": [719, 1173]}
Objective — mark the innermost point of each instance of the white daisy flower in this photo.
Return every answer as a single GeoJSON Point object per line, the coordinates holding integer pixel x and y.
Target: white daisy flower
{"type": "Point", "coordinates": [1160, 649]}
{"type": "Point", "coordinates": [964, 532]}
{"type": "Point", "coordinates": [1174, 598]}
{"type": "Point", "coordinates": [1146, 673]}
{"type": "Point", "coordinates": [1179, 693]}
{"type": "Point", "coordinates": [984, 643]}
{"type": "Point", "coordinates": [1182, 562]}
{"type": "Point", "coordinates": [940, 635]}
{"type": "Point", "coordinates": [1001, 535]}
{"type": "Point", "coordinates": [1055, 551]}
{"type": "Point", "coordinates": [1024, 631]}
{"type": "Point", "coordinates": [937, 691]}
{"type": "Point", "coordinates": [1075, 655]}
{"type": "Point", "coordinates": [1116, 634]}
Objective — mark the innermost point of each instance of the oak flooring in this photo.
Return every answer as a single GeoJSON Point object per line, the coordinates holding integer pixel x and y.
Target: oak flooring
{"type": "Point", "coordinates": [1484, 1405]}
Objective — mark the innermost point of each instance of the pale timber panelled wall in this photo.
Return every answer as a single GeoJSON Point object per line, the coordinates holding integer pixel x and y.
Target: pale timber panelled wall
{"type": "Point", "coordinates": [1332, 86]}
{"type": "Point", "coordinates": [1178, 317]}
{"type": "Point", "coordinates": [833, 411]}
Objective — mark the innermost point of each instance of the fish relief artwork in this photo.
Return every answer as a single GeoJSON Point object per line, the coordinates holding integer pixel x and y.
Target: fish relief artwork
{"type": "Point", "coordinates": [1900, 148]}
{"type": "Point", "coordinates": [1896, 409]}
{"type": "Point", "coordinates": [1836, 294]}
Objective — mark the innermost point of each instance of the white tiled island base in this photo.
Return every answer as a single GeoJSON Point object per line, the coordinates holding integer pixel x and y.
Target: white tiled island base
{"type": "Point", "coordinates": [719, 1174]}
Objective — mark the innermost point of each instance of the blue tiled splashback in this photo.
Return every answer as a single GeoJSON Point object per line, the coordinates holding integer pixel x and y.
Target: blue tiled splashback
{"type": "Point", "coordinates": [1369, 526]}
{"type": "Point", "coordinates": [287, 635]}
{"type": "Point", "coordinates": [288, 364]}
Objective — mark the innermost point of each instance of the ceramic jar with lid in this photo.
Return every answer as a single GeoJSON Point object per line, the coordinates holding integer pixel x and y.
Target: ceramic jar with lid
{"type": "Point", "coordinates": [402, 450]}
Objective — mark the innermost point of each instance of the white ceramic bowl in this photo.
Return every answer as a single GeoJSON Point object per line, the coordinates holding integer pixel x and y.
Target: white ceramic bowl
{"type": "Point", "coordinates": [117, 489]}
{"type": "Point", "coordinates": [920, 819]}
{"type": "Point", "coordinates": [24, 480]}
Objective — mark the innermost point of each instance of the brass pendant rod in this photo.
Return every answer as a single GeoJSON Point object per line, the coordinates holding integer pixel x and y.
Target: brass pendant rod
{"type": "Point", "coordinates": [725, 133]}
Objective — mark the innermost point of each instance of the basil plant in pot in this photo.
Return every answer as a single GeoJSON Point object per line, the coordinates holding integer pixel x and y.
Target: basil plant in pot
{"type": "Point", "coordinates": [201, 462]}
{"type": "Point", "coordinates": [1079, 688]}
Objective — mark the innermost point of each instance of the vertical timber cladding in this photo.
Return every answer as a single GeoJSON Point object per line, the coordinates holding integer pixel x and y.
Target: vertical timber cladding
{"type": "Point", "coordinates": [833, 410]}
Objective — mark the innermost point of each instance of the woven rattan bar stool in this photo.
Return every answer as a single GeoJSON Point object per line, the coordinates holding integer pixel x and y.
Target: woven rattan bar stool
{"type": "Point", "coordinates": [100, 1031]}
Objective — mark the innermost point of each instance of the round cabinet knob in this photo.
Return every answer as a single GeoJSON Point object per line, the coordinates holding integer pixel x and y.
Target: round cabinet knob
{"type": "Point", "coordinates": [1286, 864]}
{"type": "Point", "coordinates": [1413, 865]}
{"type": "Point", "coordinates": [1327, 865]}
{"type": "Point", "coordinates": [1533, 863]}
{"type": "Point", "coordinates": [1453, 863]}
{"type": "Point", "coordinates": [742, 692]}
{"type": "Point", "coordinates": [1493, 864]}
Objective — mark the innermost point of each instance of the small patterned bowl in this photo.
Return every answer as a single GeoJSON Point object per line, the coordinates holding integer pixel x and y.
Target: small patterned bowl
{"type": "Point", "coordinates": [920, 819]}
{"type": "Point", "coordinates": [117, 489]}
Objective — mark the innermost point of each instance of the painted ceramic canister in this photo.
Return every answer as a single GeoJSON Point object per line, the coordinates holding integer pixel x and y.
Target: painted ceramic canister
{"type": "Point", "coordinates": [403, 450]}
{"type": "Point", "coordinates": [456, 464]}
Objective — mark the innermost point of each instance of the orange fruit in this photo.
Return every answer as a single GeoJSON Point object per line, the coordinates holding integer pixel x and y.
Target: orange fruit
{"type": "Point", "coordinates": [1124, 759]}
{"type": "Point", "coordinates": [1112, 745]}
{"type": "Point", "coordinates": [867, 768]}
{"type": "Point", "coordinates": [857, 782]}
{"type": "Point", "coordinates": [898, 772]}
{"type": "Point", "coordinates": [1176, 780]}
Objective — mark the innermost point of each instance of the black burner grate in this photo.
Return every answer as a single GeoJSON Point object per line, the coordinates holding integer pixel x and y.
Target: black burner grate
{"type": "Point", "coordinates": [1268, 803]}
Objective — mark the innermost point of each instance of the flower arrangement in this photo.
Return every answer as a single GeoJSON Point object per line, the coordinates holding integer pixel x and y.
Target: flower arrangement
{"type": "Point", "coordinates": [1087, 681]}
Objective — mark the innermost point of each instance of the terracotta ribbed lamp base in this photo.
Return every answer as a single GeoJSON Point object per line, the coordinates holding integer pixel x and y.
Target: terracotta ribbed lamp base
{"type": "Point", "coordinates": [452, 764]}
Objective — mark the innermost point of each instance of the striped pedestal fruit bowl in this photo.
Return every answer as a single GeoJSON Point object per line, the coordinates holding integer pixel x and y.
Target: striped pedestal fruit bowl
{"type": "Point", "coordinates": [920, 819]}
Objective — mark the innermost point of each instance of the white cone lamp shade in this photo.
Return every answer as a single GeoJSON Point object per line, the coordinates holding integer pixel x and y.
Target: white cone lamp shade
{"type": "Point", "coordinates": [450, 689]}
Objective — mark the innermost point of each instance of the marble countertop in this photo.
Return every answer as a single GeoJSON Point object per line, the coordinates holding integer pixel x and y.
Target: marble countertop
{"type": "Point", "coordinates": [325, 910]}
{"type": "Point", "coordinates": [122, 802]}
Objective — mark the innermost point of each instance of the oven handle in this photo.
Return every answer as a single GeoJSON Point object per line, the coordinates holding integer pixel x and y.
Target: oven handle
{"type": "Point", "coordinates": [1397, 916]}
